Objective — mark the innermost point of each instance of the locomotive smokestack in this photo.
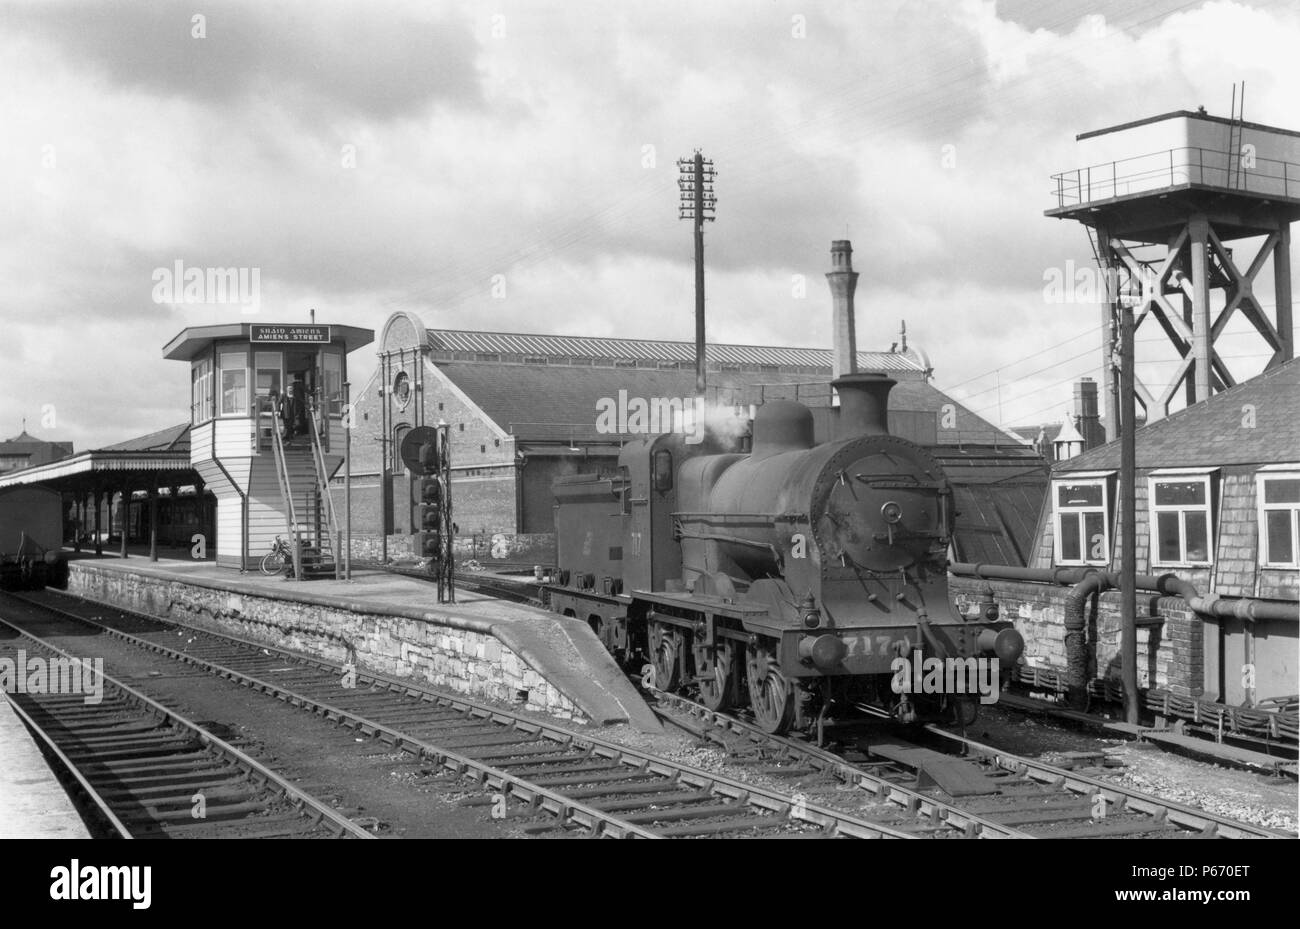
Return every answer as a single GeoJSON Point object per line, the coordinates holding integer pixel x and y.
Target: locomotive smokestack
{"type": "Point", "coordinates": [864, 403]}
{"type": "Point", "coordinates": [844, 281]}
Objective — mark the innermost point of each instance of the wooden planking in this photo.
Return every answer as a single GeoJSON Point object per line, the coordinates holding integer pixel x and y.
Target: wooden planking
{"type": "Point", "coordinates": [229, 529]}
{"type": "Point", "coordinates": [201, 442]}
{"type": "Point", "coordinates": [956, 776]}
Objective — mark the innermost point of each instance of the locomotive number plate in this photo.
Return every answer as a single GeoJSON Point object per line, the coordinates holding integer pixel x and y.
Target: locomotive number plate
{"type": "Point", "coordinates": [863, 645]}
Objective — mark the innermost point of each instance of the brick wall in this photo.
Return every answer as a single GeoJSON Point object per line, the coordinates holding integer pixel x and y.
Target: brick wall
{"type": "Point", "coordinates": [521, 548]}
{"type": "Point", "coordinates": [463, 660]}
{"type": "Point", "coordinates": [1169, 654]}
{"type": "Point", "coordinates": [484, 473]}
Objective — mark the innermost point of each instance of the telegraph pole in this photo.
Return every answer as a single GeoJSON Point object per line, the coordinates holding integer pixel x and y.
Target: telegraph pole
{"type": "Point", "coordinates": [1122, 324]}
{"type": "Point", "coordinates": [697, 202]}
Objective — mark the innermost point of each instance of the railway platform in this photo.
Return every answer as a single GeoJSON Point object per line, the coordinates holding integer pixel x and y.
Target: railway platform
{"type": "Point", "coordinates": [33, 804]}
{"type": "Point", "coordinates": [479, 645]}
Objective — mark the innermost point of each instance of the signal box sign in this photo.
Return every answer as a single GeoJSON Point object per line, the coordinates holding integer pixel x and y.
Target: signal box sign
{"type": "Point", "coordinates": [315, 334]}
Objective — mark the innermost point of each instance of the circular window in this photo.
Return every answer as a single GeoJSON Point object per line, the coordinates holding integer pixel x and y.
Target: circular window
{"type": "Point", "coordinates": [402, 390]}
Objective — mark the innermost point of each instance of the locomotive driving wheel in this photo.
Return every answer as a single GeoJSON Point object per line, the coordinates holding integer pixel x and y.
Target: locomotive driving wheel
{"type": "Point", "coordinates": [666, 656]}
{"type": "Point", "coordinates": [718, 678]}
{"type": "Point", "coordinates": [770, 695]}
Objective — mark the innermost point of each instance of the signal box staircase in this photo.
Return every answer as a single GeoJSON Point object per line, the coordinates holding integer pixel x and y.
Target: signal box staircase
{"type": "Point", "coordinates": [310, 518]}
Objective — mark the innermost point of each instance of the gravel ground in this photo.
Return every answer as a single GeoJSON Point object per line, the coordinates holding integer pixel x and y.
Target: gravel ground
{"type": "Point", "coordinates": [1252, 797]}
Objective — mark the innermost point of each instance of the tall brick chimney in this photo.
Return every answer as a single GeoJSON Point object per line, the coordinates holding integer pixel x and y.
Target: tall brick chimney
{"type": "Point", "coordinates": [1085, 413]}
{"type": "Point", "coordinates": [844, 281]}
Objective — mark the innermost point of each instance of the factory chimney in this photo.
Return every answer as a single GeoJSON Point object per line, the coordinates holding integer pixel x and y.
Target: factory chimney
{"type": "Point", "coordinates": [844, 281]}
{"type": "Point", "coordinates": [1085, 413]}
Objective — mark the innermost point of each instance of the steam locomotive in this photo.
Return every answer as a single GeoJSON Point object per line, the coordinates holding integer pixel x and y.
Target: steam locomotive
{"type": "Point", "coordinates": [788, 579]}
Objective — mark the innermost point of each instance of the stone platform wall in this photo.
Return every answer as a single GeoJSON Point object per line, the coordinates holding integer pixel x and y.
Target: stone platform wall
{"type": "Point", "coordinates": [465, 658]}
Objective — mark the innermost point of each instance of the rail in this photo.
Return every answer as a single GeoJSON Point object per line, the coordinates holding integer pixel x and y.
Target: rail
{"type": "Point", "coordinates": [1176, 167]}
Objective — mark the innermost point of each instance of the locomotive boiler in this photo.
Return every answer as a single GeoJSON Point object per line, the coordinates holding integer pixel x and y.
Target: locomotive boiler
{"type": "Point", "coordinates": [787, 579]}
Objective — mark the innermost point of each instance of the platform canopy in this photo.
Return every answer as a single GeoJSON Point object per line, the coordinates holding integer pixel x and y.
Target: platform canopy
{"type": "Point", "coordinates": [161, 458]}
{"type": "Point", "coordinates": [196, 340]}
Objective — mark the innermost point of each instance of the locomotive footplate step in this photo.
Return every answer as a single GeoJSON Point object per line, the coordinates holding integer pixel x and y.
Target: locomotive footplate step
{"type": "Point", "coordinates": [957, 777]}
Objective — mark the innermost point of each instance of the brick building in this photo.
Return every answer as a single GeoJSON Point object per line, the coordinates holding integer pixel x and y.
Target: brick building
{"type": "Point", "coordinates": [523, 410]}
{"type": "Point", "coordinates": [26, 451]}
{"type": "Point", "coordinates": [1218, 504]}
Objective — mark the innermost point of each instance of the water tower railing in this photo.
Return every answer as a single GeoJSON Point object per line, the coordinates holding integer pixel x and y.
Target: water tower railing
{"type": "Point", "coordinates": [1176, 167]}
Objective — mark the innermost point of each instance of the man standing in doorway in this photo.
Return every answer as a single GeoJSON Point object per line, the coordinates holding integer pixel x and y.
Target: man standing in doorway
{"type": "Point", "coordinates": [294, 412]}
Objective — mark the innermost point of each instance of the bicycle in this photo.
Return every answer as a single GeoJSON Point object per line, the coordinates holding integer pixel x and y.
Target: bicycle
{"type": "Point", "coordinates": [279, 560]}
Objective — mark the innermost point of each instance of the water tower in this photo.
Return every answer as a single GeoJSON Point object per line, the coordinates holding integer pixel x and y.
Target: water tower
{"type": "Point", "coordinates": [1187, 183]}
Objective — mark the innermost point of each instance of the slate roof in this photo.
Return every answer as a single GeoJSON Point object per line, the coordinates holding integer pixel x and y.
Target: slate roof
{"type": "Point", "coordinates": [172, 439]}
{"type": "Point", "coordinates": [554, 401]}
{"type": "Point", "coordinates": [36, 450]}
{"type": "Point", "coordinates": [1215, 432]}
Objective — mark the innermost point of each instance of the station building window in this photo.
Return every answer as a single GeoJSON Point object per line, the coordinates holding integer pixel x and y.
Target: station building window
{"type": "Point", "coordinates": [1278, 492]}
{"type": "Point", "coordinates": [233, 369]}
{"type": "Point", "coordinates": [1082, 514]}
{"type": "Point", "coordinates": [201, 392]}
{"type": "Point", "coordinates": [1182, 511]}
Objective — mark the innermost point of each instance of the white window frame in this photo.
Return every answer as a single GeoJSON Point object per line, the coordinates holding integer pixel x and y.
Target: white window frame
{"type": "Point", "coordinates": [201, 391]}
{"type": "Point", "coordinates": [1208, 478]}
{"type": "Point", "coordinates": [220, 385]}
{"type": "Point", "coordinates": [1277, 472]}
{"type": "Point", "coordinates": [1103, 479]}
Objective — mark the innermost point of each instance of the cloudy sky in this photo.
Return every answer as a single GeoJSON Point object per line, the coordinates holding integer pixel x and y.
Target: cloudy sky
{"type": "Point", "coordinates": [370, 157]}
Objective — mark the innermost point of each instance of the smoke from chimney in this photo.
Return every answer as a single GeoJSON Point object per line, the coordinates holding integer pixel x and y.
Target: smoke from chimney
{"type": "Point", "coordinates": [843, 282]}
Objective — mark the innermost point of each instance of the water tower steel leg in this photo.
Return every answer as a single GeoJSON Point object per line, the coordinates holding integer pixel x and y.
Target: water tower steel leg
{"type": "Point", "coordinates": [1282, 295]}
{"type": "Point", "coordinates": [1199, 228]}
{"type": "Point", "coordinates": [1110, 267]}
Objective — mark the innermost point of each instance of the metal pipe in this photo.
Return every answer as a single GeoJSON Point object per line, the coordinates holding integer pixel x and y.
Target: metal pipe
{"type": "Point", "coordinates": [1167, 584]}
{"type": "Point", "coordinates": [1076, 650]}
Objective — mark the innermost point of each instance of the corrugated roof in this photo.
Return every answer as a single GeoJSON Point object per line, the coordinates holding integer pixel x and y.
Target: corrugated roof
{"type": "Point", "coordinates": [1252, 423]}
{"type": "Point", "coordinates": [515, 343]}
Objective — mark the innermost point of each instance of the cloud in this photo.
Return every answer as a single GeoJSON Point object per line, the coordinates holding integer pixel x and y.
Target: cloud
{"type": "Point", "coordinates": [370, 158]}
{"type": "Point", "coordinates": [318, 57]}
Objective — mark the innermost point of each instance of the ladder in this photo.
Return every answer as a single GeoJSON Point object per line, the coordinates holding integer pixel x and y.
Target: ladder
{"type": "Point", "coordinates": [1235, 169]}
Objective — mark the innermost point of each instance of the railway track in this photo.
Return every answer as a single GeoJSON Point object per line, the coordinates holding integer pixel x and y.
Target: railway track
{"type": "Point", "coordinates": [141, 770]}
{"type": "Point", "coordinates": [587, 784]}
{"type": "Point", "coordinates": [1039, 800]}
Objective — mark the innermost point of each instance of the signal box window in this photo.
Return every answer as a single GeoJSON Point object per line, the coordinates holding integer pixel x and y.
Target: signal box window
{"type": "Point", "coordinates": [1082, 512]}
{"type": "Point", "coordinates": [1278, 494]}
{"type": "Point", "coordinates": [201, 392]}
{"type": "Point", "coordinates": [234, 383]}
{"type": "Point", "coordinates": [268, 379]}
{"type": "Point", "coordinates": [1181, 519]}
